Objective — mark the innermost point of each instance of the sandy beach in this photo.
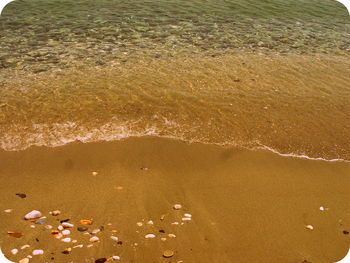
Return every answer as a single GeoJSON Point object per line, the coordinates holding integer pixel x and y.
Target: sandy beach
{"type": "Point", "coordinates": [245, 206]}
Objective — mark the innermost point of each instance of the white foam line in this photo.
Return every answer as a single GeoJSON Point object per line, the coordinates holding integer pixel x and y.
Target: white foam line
{"type": "Point", "coordinates": [264, 147]}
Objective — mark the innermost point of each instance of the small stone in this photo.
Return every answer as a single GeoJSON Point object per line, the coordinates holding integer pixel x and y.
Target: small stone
{"type": "Point", "coordinates": [33, 215]}
{"type": "Point", "coordinates": [144, 168]}
{"type": "Point", "coordinates": [100, 260]}
{"type": "Point", "coordinates": [186, 219]}
{"type": "Point", "coordinates": [37, 252]}
{"type": "Point", "coordinates": [150, 236]}
{"type": "Point", "coordinates": [115, 258]}
{"type": "Point", "coordinates": [8, 210]}
{"type": "Point", "coordinates": [162, 217]}
{"type": "Point", "coordinates": [48, 227]}
{"type": "Point", "coordinates": [64, 220]}
{"type": "Point", "coordinates": [24, 246]}
{"type": "Point", "coordinates": [74, 241]}
{"type": "Point", "coordinates": [95, 231]}
{"type": "Point", "coordinates": [14, 251]}
{"type": "Point", "coordinates": [67, 225]}
{"type": "Point", "coordinates": [163, 239]}
{"type": "Point", "coordinates": [14, 234]}
{"type": "Point", "coordinates": [66, 252]}
{"type": "Point", "coordinates": [94, 173]}
{"type": "Point", "coordinates": [139, 223]}
{"type": "Point", "coordinates": [310, 227]}
{"type": "Point", "coordinates": [78, 246]}
{"type": "Point", "coordinates": [21, 195]}
{"type": "Point", "coordinates": [177, 206]}
{"type": "Point", "coordinates": [32, 226]}
{"type": "Point", "coordinates": [55, 213]}
{"type": "Point", "coordinates": [120, 242]}
{"type": "Point", "coordinates": [86, 222]}
{"type": "Point", "coordinates": [82, 228]}
{"type": "Point", "coordinates": [114, 238]}
{"type": "Point", "coordinates": [66, 240]}
{"type": "Point", "coordinates": [345, 232]}
{"type": "Point", "coordinates": [94, 239]}
{"type": "Point", "coordinates": [24, 260]}
{"type": "Point", "coordinates": [150, 222]}
{"type": "Point", "coordinates": [60, 228]}
{"type": "Point", "coordinates": [168, 253]}
{"type": "Point", "coordinates": [161, 231]}
{"type": "Point", "coordinates": [172, 235]}
{"type": "Point", "coordinates": [187, 215]}
{"type": "Point", "coordinates": [59, 236]}
{"type": "Point", "coordinates": [65, 232]}
{"type": "Point", "coordinates": [40, 221]}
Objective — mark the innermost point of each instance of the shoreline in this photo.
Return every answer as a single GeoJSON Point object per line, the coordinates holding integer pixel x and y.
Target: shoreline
{"type": "Point", "coordinates": [140, 179]}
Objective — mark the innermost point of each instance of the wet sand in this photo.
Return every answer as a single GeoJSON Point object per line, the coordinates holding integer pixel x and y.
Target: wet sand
{"type": "Point", "coordinates": [246, 206]}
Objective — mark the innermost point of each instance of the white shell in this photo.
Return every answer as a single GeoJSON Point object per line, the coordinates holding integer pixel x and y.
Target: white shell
{"type": "Point", "coordinates": [150, 236]}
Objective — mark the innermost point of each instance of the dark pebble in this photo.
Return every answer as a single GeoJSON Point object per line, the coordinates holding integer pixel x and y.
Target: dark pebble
{"type": "Point", "coordinates": [82, 228]}
{"type": "Point", "coordinates": [100, 260]}
{"type": "Point", "coordinates": [102, 228]}
{"type": "Point", "coordinates": [66, 252]}
{"type": "Point", "coordinates": [21, 195]}
{"type": "Point", "coordinates": [120, 242]}
{"type": "Point", "coordinates": [346, 232]}
{"type": "Point", "coordinates": [65, 220]}
{"type": "Point", "coordinates": [161, 231]}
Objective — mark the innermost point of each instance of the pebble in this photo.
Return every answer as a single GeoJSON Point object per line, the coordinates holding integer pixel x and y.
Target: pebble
{"type": "Point", "coordinates": [186, 219]}
{"type": "Point", "coordinates": [37, 252]}
{"type": "Point", "coordinates": [82, 228]}
{"type": "Point", "coordinates": [115, 258]}
{"type": "Point", "coordinates": [95, 231]}
{"type": "Point", "coordinates": [172, 235]}
{"type": "Point", "coordinates": [150, 236]}
{"type": "Point", "coordinates": [33, 215]}
{"type": "Point", "coordinates": [310, 227]}
{"type": "Point", "coordinates": [8, 210]}
{"type": "Point", "coordinates": [100, 260]}
{"type": "Point", "coordinates": [187, 215]}
{"type": "Point", "coordinates": [24, 246]}
{"type": "Point", "coordinates": [150, 222]}
{"type": "Point", "coordinates": [139, 223]}
{"type": "Point", "coordinates": [24, 260]}
{"type": "Point", "coordinates": [74, 241]}
{"type": "Point", "coordinates": [94, 173]}
{"type": "Point", "coordinates": [86, 222]}
{"type": "Point", "coordinates": [21, 195]}
{"type": "Point", "coordinates": [60, 228]}
{"type": "Point", "coordinates": [78, 246]}
{"type": "Point", "coordinates": [177, 206]}
{"type": "Point", "coordinates": [94, 239]}
{"type": "Point", "coordinates": [168, 253]}
{"type": "Point", "coordinates": [66, 240]}
{"type": "Point", "coordinates": [48, 227]}
{"type": "Point", "coordinates": [58, 236]}
{"type": "Point", "coordinates": [40, 221]}
{"type": "Point", "coordinates": [67, 225]}
{"type": "Point", "coordinates": [65, 232]}
{"type": "Point", "coordinates": [14, 251]}
{"type": "Point", "coordinates": [32, 226]}
{"type": "Point", "coordinates": [163, 239]}
{"type": "Point", "coordinates": [55, 213]}
{"type": "Point", "coordinates": [114, 238]}
{"type": "Point", "coordinates": [14, 234]}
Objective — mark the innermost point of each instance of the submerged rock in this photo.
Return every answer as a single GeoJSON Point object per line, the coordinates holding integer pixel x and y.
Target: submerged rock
{"type": "Point", "coordinates": [82, 228]}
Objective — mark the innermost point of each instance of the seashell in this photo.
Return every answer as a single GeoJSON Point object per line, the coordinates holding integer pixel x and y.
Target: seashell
{"type": "Point", "coordinates": [94, 173]}
{"type": "Point", "coordinates": [59, 236]}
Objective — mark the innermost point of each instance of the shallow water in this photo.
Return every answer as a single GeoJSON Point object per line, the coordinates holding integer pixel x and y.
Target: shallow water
{"type": "Point", "coordinates": [247, 73]}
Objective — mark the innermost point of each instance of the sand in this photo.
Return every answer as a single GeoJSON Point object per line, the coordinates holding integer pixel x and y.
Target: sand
{"type": "Point", "coordinates": [246, 206]}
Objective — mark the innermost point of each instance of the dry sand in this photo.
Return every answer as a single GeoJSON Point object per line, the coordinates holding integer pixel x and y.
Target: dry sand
{"type": "Point", "coordinates": [246, 206]}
